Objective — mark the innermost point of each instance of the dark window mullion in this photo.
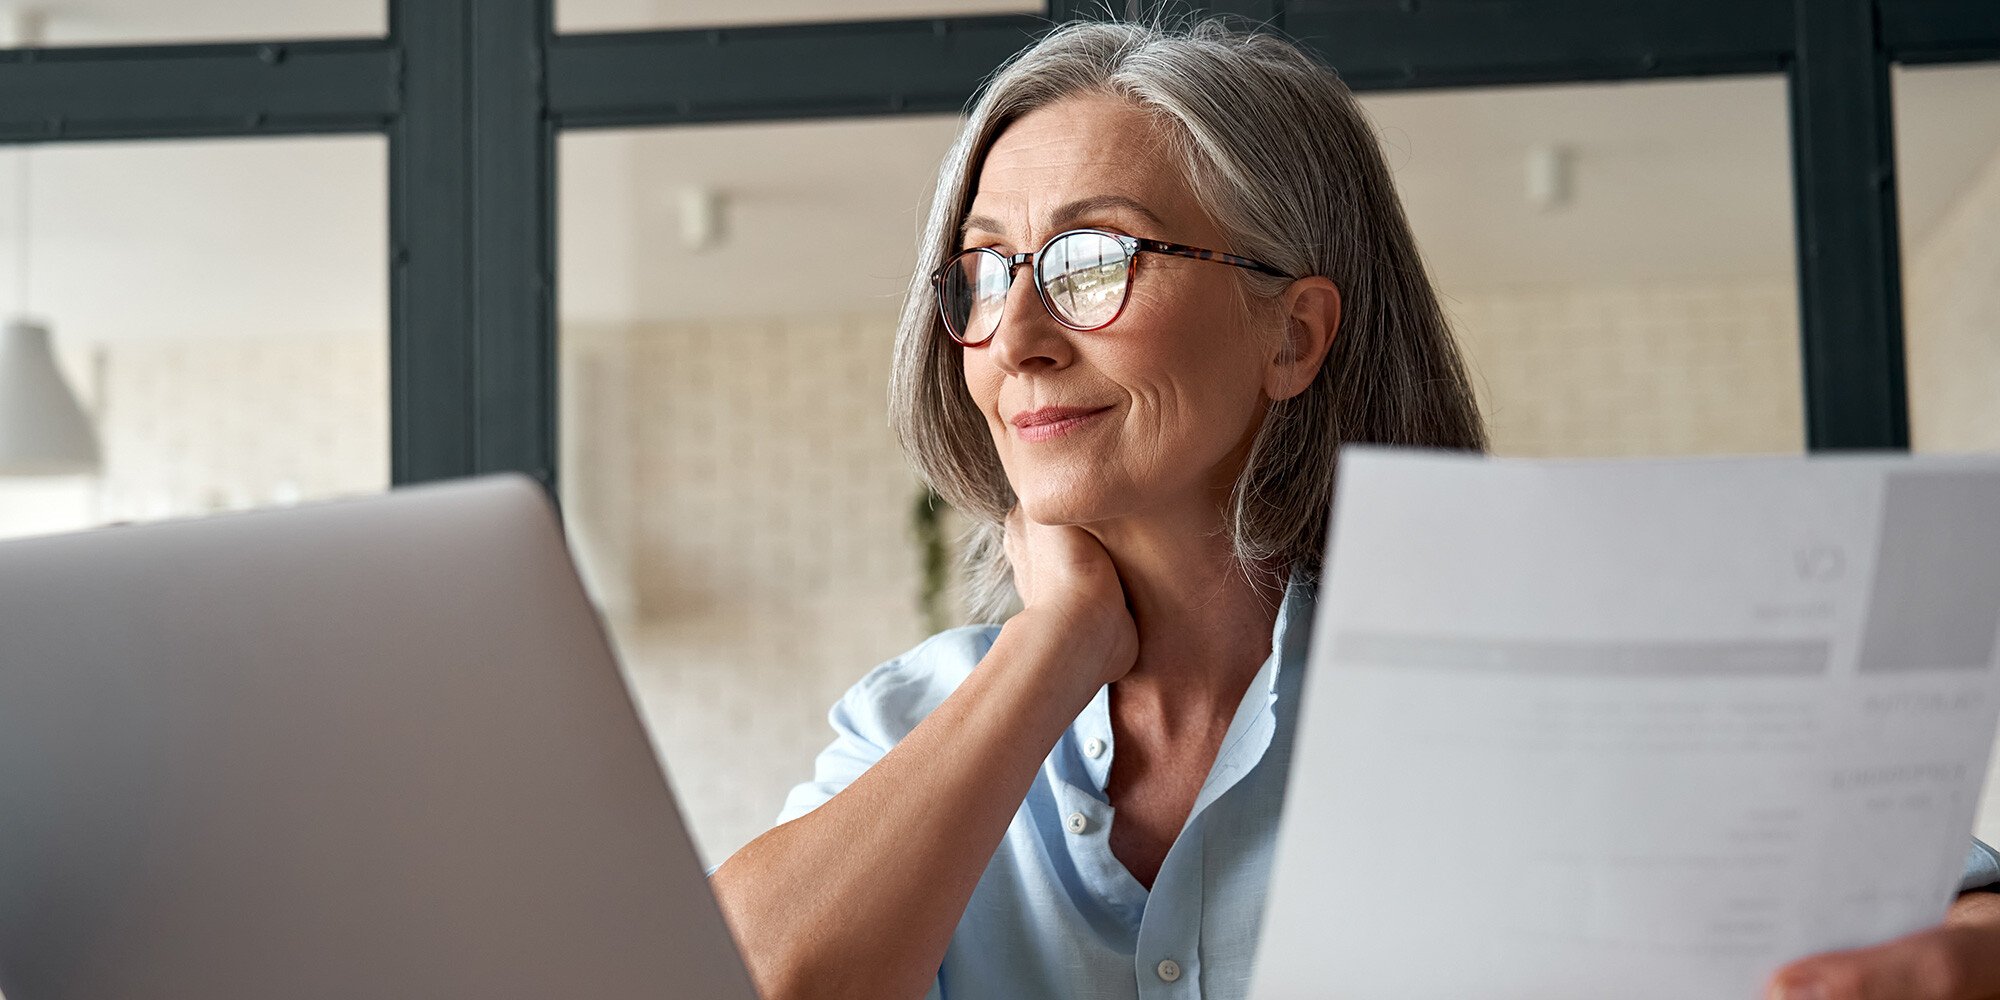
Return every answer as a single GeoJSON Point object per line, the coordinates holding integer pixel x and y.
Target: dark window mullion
{"type": "Point", "coordinates": [1850, 295]}
{"type": "Point", "coordinates": [136, 92]}
{"type": "Point", "coordinates": [472, 312]}
{"type": "Point", "coordinates": [1937, 31]}
{"type": "Point", "coordinates": [432, 414]}
{"type": "Point", "coordinates": [845, 69]}
{"type": "Point", "coordinates": [513, 215]}
{"type": "Point", "coordinates": [1383, 44]}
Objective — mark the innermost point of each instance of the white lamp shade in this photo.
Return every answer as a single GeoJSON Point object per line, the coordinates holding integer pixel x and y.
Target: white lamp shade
{"type": "Point", "coordinates": [43, 430]}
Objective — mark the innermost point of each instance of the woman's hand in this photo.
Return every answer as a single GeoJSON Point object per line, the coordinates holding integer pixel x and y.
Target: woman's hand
{"type": "Point", "coordinates": [1956, 960]}
{"type": "Point", "coordinates": [1065, 577]}
{"type": "Point", "coordinates": [860, 897]}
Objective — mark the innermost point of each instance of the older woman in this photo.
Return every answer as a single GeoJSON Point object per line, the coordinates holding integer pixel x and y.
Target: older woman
{"type": "Point", "coordinates": [1165, 277]}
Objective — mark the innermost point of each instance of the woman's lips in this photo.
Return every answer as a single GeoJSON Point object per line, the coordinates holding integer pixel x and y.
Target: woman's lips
{"type": "Point", "coordinates": [1053, 421]}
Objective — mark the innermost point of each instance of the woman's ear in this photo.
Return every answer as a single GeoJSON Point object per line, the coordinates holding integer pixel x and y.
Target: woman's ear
{"type": "Point", "coordinates": [1311, 311]}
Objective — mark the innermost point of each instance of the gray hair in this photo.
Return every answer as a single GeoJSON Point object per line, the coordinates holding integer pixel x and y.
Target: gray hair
{"type": "Point", "coordinates": [1292, 174]}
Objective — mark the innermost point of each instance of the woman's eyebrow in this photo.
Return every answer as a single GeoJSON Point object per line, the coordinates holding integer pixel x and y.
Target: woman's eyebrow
{"type": "Point", "coordinates": [1063, 217]}
{"type": "Point", "coordinates": [980, 222]}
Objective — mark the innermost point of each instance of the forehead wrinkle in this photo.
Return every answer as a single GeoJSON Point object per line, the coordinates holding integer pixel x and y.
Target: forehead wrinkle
{"type": "Point", "coordinates": [1120, 151]}
{"type": "Point", "coordinates": [1070, 213]}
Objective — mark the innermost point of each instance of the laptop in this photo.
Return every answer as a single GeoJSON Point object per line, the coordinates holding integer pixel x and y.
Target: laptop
{"type": "Point", "coordinates": [364, 748]}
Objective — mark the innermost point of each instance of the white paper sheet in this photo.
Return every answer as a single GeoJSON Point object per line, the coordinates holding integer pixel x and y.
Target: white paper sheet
{"type": "Point", "coordinates": [1587, 730]}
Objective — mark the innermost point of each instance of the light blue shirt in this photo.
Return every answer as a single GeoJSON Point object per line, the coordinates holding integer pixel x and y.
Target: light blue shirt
{"type": "Point", "coordinates": [1056, 915]}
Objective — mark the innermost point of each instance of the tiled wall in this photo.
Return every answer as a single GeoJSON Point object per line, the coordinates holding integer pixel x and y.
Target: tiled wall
{"type": "Point", "coordinates": [1951, 298]}
{"type": "Point", "coordinates": [193, 426]}
{"type": "Point", "coordinates": [1661, 370]}
{"type": "Point", "coordinates": [766, 511]}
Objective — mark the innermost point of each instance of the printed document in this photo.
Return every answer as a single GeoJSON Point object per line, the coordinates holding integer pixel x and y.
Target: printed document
{"type": "Point", "coordinates": [1578, 730]}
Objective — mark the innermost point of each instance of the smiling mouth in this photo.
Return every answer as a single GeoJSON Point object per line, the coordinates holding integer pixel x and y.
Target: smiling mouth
{"type": "Point", "coordinates": [1036, 427]}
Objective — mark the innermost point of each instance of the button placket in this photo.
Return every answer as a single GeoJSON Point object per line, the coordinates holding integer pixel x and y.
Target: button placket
{"type": "Point", "coordinates": [1090, 736]}
{"type": "Point", "coordinates": [1170, 932]}
{"type": "Point", "coordinates": [1090, 851]}
{"type": "Point", "coordinates": [1081, 814]}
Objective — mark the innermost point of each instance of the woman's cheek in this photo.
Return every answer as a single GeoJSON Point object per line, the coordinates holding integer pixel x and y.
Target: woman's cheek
{"type": "Point", "coordinates": [984, 390]}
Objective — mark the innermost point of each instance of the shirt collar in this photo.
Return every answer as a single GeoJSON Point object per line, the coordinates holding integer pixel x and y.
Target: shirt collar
{"type": "Point", "coordinates": [1250, 729]}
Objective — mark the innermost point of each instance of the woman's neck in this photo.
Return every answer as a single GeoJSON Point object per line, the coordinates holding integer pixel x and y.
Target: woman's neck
{"type": "Point", "coordinates": [1204, 625]}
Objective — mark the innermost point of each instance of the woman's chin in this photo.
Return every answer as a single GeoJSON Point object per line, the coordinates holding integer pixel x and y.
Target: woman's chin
{"type": "Point", "coordinates": [1072, 492]}
{"type": "Point", "coordinates": [1065, 509]}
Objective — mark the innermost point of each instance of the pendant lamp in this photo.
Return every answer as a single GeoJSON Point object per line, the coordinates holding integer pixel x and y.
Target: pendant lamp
{"type": "Point", "coordinates": [43, 429]}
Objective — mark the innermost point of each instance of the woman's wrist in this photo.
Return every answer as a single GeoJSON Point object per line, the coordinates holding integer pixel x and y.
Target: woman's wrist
{"type": "Point", "coordinates": [1063, 653]}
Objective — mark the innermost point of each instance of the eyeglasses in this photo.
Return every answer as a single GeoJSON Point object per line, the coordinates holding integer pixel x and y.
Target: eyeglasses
{"type": "Point", "coordinates": [1082, 277]}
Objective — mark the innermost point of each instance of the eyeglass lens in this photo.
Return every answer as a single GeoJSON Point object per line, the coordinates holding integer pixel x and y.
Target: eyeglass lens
{"type": "Point", "coordinates": [1082, 276]}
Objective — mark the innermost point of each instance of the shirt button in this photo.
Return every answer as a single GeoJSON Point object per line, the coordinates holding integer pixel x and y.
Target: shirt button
{"type": "Point", "coordinates": [1168, 969]}
{"type": "Point", "coordinates": [1077, 823]}
{"type": "Point", "coordinates": [1093, 748]}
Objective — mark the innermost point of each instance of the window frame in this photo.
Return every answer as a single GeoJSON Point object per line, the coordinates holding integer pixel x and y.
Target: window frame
{"type": "Point", "coordinates": [472, 95]}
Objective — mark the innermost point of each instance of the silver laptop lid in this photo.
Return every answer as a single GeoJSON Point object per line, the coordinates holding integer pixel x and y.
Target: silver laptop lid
{"type": "Point", "coordinates": [366, 748]}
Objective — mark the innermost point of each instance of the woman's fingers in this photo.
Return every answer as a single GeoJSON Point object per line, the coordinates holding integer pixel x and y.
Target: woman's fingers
{"type": "Point", "coordinates": [1957, 960]}
{"type": "Point", "coordinates": [1064, 572]}
{"type": "Point", "coordinates": [1058, 562]}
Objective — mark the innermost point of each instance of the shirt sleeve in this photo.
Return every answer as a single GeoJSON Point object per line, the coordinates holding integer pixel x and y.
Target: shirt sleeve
{"type": "Point", "coordinates": [855, 749]}
{"type": "Point", "coordinates": [856, 746]}
{"type": "Point", "coordinates": [883, 707]}
{"type": "Point", "coordinates": [1982, 869]}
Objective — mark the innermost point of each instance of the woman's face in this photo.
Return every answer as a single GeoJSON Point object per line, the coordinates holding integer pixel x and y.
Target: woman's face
{"type": "Point", "coordinates": [1173, 388]}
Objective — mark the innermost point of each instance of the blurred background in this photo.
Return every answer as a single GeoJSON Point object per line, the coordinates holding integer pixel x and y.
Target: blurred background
{"type": "Point", "coordinates": [1618, 259]}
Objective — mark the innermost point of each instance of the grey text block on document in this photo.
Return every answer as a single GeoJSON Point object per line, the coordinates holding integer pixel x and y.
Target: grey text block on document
{"type": "Point", "coordinates": [1760, 658]}
{"type": "Point", "coordinates": [1935, 603]}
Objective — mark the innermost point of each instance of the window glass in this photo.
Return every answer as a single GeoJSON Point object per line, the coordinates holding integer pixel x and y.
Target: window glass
{"type": "Point", "coordinates": [1617, 260]}
{"type": "Point", "coordinates": [152, 22]}
{"type": "Point", "coordinates": [1948, 201]}
{"type": "Point", "coordinates": [743, 514]}
{"type": "Point", "coordinates": [630, 15]}
{"type": "Point", "coordinates": [222, 327]}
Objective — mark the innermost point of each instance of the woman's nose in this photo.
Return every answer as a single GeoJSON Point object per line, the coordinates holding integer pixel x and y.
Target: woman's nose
{"type": "Point", "coordinates": [1027, 337]}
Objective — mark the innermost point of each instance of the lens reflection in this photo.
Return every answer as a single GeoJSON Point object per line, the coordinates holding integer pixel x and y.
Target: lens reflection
{"type": "Point", "coordinates": [1083, 276]}
{"type": "Point", "coordinates": [975, 290]}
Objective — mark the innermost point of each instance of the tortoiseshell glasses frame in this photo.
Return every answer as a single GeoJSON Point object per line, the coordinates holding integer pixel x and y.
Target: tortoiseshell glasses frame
{"type": "Point", "coordinates": [1094, 279]}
